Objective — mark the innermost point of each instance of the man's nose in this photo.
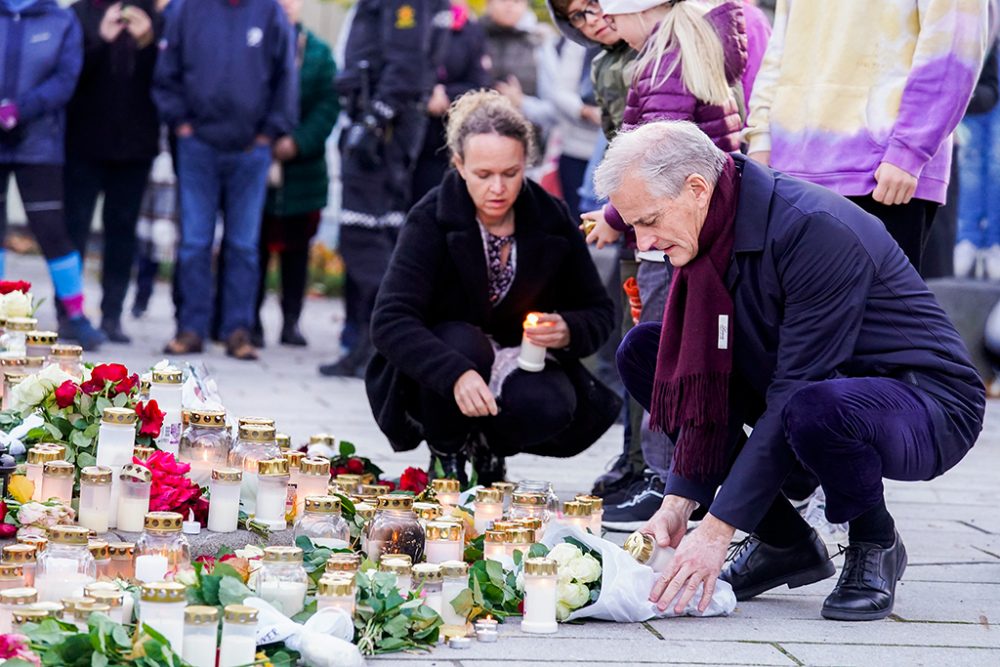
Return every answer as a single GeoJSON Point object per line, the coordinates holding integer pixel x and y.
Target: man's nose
{"type": "Point", "coordinates": [643, 239]}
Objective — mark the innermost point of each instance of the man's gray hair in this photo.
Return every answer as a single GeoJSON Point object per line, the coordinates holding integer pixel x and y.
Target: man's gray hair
{"type": "Point", "coordinates": [663, 154]}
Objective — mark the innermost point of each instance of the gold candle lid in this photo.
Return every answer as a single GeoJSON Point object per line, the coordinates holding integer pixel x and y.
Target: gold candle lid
{"type": "Point", "coordinates": [13, 362]}
{"type": "Point", "coordinates": [294, 459]}
{"type": "Point", "coordinates": [25, 324]}
{"type": "Point", "coordinates": [40, 455]}
{"type": "Point", "coordinates": [368, 500]}
{"type": "Point", "coordinates": [282, 555]}
{"type": "Point", "coordinates": [365, 511]}
{"type": "Point", "coordinates": [489, 496]}
{"type": "Point", "coordinates": [576, 508]}
{"type": "Point", "coordinates": [257, 421]}
{"type": "Point", "coordinates": [42, 337]}
{"type": "Point", "coordinates": [59, 469]}
{"type": "Point", "coordinates": [272, 467]}
{"type": "Point", "coordinates": [509, 524]}
{"type": "Point", "coordinates": [531, 499]}
{"type": "Point", "coordinates": [284, 440]}
{"type": "Point", "coordinates": [70, 604]}
{"type": "Point", "coordinates": [519, 536]}
{"type": "Point", "coordinates": [446, 485]}
{"type": "Point", "coordinates": [505, 487]}
{"type": "Point", "coordinates": [367, 478]}
{"type": "Point", "coordinates": [15, 596]}
{"type": "Point", "coordinates": [443, 531]}
{"type": "Point", "coordinates": [163, 522]}
{"type": "Point", "coordinates": [376, 489]}
{"type": "Point", "coordinates": [207, 418]}
{"type": "Point", "coordinates": [19, 553]}
{"type": "Point", "coordinates": [395, 502]}
{"type": "Point", "coordinates": [227, 474]}
{"type": "Point", "coordinates": [349, 479]}
{"type": "Point", "coordinates": [427, 511]}
{"type": "Point", "coordinates": [10, 571]}
{"type": "Point", "coordinates": [144, 385]}
{"type": "Point", "coordinates": [322, 505]}
{"type": "Point", "coordinates": [343, 562]}
{"type": "Point", "coordinates": [99, 549]}
{"type": "Point", "coordinates": [427, 573]}
{"type": "Point", "coordinates": [596, 502]}
{"type": "Point", "coordinates": [256, 433]}
{"type": "Point", "coordinates": [240, 614]}
{"type": "Point", "coordinates": [532, 522]}
{"type": "Point", "coordinates": [96, 475]}
{"type": "Point", "coordinates": [163, 591]}
{"type": "Point", "coordinates": [20, 617]}
{"type": "Point", "coordinates": [397, 566]}
{"type": "Point", "coordinates": [640, 546]}
{"type": "Point", "coordinates": [314, 466]}
{"type": "Point", "coordinates": [40, 543]}
{"type": "Point", "coordinates": [14, 378]}
{"type": "Point", "coordinates": [496, 536]}
{"type": "Point", "coordinates": [540, 566]}
{"type": "Point", "coordinates": [168, 375]}
{"type": "Point", "coordinates": [142, 452]}
{"type": "Point", "coordinates": [84, 611]}
{"type": "Point", "coordinates": [454, 568]}
{"type": "Point", "coordinates": [322, 439]}
{"type": "Point", "coordinates": [106, 596]}
{"type": "Point", "coordinates": [201, 615]}
{"type": "Point", "coordinates": [121, 550]}
{"type": "Point", "coordinates": [135, 473]}
{"type": "Point", "coordinates": [339, 586]}
{"type": "Point", "coordinates": [61, 351]}
{"type": "Point", "coordinates": [118, 416]}
{"type": "Point", "coordinates": [400, 556]}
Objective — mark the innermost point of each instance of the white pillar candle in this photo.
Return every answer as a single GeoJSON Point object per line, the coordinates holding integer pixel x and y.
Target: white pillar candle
{"type": "Point", "coordinates": [272, 492]}
{"type": "Point", "coordinates": [166, 389]}
{"type": "Point", "coordinates": [439, 551]}
{"type": "Point", "coordinates": [488, 508]}
{"type": "Point", "coordinates": [224, 500]}
{"type": "Point", "coordinates": [493, 545]}
{"type": "Point", "coordinates": [539, 596]}
{"type": "Point", "coordinates": [531, 357]}
{"type": "Point", "coordinates": [239, 636]}
{"type": "Point", "coordinates": [132, 513]}
{"type": "Point", "coordinates": [287, 596]}
{"type": "Point", "coordinates": [151, 567]}
{"type": "Point", "coordinates": [33, 471]}
{"type": "Point", "coordinates": [115, 447]}
{"type": "Point", "coordinates": [456, 580]}
{"type": "Point", "coordinates": [448, 492]}
{"type": "Point", "coordinates": [336, 593]}
{"type": "Point", "coordinates": [201, 627]}
{"type": "Point", "coordinates": [57, 481]}
{"type": "Point", "coordinates": [162, 607]}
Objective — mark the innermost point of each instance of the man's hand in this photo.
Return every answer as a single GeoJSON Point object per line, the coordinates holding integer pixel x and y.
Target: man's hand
{"type": "Point", "coordinates": [761, 157]}
{"type": "Point", "coordinates": [438, 104]}
{"type": "Point", "coordinates": [473, 396]}
{"type": "Point", "coordinates": [598, 230]}
{"type": "Point", "coordinates": [184, 130]}
{"type": "Point", "coordinates": [285, 149]}
{"type": "Point", "coordinates": [698, 561]}
{"type": "Point", "coordinates": [112, 23]}
{"type": "Point", "coordinates": [895, 186]}
{"type": "Point", "coordinates": [139, 25]}
{"type": "Point", "coordinates": [668, 525]}
{"type": "Point", "coordinates": [552, 331]}
{"type": "Point", "coordinates": [591, 114]}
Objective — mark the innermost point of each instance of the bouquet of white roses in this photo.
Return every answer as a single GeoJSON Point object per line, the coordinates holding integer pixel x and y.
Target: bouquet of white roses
{"type": "Point", "coordinates": [579, 576]}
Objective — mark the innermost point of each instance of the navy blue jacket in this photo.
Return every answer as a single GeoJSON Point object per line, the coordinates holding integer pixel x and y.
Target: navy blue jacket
{"type": "Point", "coordinates": [821, 291]}
{"type": "Point", "coordinates": [228, 68]}
{"type": "Point", "coordinates": [41, 53]}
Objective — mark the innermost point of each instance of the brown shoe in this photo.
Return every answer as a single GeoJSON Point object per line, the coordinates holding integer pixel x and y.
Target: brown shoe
{"type": "Point", "coordinates": [186, 342]}
{"type": "Point", "coordinates": [238, 346]}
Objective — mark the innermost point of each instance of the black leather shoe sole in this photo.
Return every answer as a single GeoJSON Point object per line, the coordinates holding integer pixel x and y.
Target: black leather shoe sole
{"type": "Point", "coordinates": [838, 614]}
{"type": "Point", "coordinates": [792, 580]}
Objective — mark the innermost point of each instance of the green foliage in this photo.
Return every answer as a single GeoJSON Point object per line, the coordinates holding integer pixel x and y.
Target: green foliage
{"type": "Point", "coordinates": [385, 622]}
{"type": "Point", "coordinates": [492, 591]}
{"type": "Point", "coordinates": [104, 644]}
{"type": "Point", "coordinates": [9, 420]}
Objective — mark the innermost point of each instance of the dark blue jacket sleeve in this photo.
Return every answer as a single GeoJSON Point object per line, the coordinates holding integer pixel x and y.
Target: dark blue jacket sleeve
{"type": "Point", "coordinates": [55, 91]}
{"type": "Point", "coordinates": [826, 273]}
{"type": "Point", "coordinates": [168, 77]}
{"type": "Point", "coordinates": [283, 111]}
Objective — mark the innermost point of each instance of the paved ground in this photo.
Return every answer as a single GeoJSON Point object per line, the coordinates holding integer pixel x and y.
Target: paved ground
{"type": "Point", "coordinates": [948, 608]}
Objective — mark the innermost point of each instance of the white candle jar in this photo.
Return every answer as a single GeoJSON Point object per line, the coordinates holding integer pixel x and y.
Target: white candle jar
{"type": "Point", "coordinates": [239, 636]}
{"type": "Point", "coordinates": [166, 389]}
{"type": "Point", "coordinates": [224, 500]}
{"type": "Point", "coordinates": [336, 592]}
{"type": "Point", "coordinates": [532, 356]}
{"type": "Point", "coordinates": [596, 512]}
{"type": "Point", "coordinates": [395, 529]}
{"type": "Point", "coordinates": [82, 613]}
{"type": "Point", "coordinates": [645, 550]}
{"type": "Point", "coordinates": [38, 456]}
{"type": "Point", "coordinates": [66, 566]}
{"type": "Point", "coordinates": [162, 538]}
{"type": "Point", "coordinates": [13, 600]}
{"type": "Point", "coordinates": [161, 607]}
{"type": "Point", "coordinates": [11, 378]}
{"type": "Point", "coordinates": [447, 491]}
{"type": "Point", "coordinates": [114, 598]}
{"type": "Point", "coordinates": [115, 448]}
{"type": "Point", "coordinates": [95, 498]}
{"type": "Point", "coordinates": [530, 505]}
{"type": "Point", "coordinates": [101, 552]}
{"type": "Point", "coordinates": [312, 480]}
{"type": "Point", "coordinates": [493, 545]}
{"type": "Point", "coordinates": [507, 489]}
{"type": "Point", "coordinates": [488, 508]}
{"type": "Point", "coordinates": [282, 580]}
{"type": "Point", "coordinates": [322, 523]}
{"type": "Point", "coordinates": [201, 635]}
{"type": "Point", "coordinates": [540, 576]}
{"type": "Point", "coordinates": [26, 557]}
{"type": "Point", "coordinates": [428, 581]}
{"type": "Point", "coordinates": [205, 444]}
{"type": "Point", "coordinates": [443, 542]}
{"type": "Point", "coordinates": [57, 481]}
{"type": "Point", "coordinates": [13, 342]}
{"type": "Point", "coordinates": [69, 358]}
{"type": "Point", "coordinates": [518, 539]}
{"type": "Point", "coordinates": [454, 580]}
{"type": "Point", "coordinates": [399, 565]}
{"type": "Point", "coordinates": [135, 483]}
{"type": "Point", "coordinates": [11, 576]}
{"type": "Point", "coordinates": [577, 513]}
{"type": "Point", "coordinates": [272, 492]}
{"type": "Point", "coordinates": [350, 483]}
{"type": "Point", "coordinates": [39, 343]}
{"type": "Point", "coordinates": [255, 444]}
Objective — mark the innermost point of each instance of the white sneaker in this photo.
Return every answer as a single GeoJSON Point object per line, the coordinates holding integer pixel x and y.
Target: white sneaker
{"type": "Point", "coordinates": [992, 255]}
{"type": "Point", "coordinates": [965, 258]}
{"type": "Point", "coordinates": [833, 534]}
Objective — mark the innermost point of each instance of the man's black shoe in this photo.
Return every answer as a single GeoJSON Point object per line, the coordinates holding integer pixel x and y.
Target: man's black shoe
{"type": "Point", "coordinates": [757, 567]}
{"type": "Point", "coordinates": [633, 512]}
{"type": "Point", "coordinates": [866, 590]}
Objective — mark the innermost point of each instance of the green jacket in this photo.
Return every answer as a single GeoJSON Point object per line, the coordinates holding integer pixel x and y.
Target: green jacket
{"type": "Point", "coordinates": [306, 181]}
{"type": "Point", "coordinates": [609, 72]}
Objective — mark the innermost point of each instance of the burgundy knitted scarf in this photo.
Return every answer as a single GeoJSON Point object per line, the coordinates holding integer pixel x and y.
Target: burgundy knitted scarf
{"type": "Point", "coordinates": [695, 358]}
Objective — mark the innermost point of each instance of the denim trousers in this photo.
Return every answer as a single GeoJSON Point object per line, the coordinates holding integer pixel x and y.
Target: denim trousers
{"type": "Point", "coordinates": [979, 180]}
{"type": "Point", "coordinates": [237, 180]}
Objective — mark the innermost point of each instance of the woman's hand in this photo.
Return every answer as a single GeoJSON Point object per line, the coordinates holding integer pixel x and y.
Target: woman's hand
{"type": "Point", "coordinates": [598, 230]}
{"type": "Point", "coordinates": [551, 331]}
{"type": "Point", "coordinates": [139, 25]}
{"type": "Point", "coordinates": [473, 396]}
{"type": "Point", "coordinates": [285, 149]}
{"type": "Point", "coordinates": [112, 24]}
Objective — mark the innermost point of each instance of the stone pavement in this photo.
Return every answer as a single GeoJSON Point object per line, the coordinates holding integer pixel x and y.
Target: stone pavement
{"type": "Point", "coordinates": [948, 604]}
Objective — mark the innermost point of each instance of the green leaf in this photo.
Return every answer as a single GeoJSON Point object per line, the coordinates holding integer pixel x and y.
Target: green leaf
{"type": "Point", "coordinates": [389, 644]}
{"type": "Point", "coordinates": [494, 570]}
{"type": "Point", "coordinates": [120, 400]}
{"type": "Point", "coordinates": [538, 551]}
{"type": "Point", "coordinates": [98, 660]}
{"type": "Point", "coordinates": [438, 468]}
{"type": "Point", "coordinates": [518, 557]}
{"type": "Point", "coordinates": [210, 584]}
{"type": "Point", "coordinates": [463, 603]}
{"type": "Point", "coordinates": [303, 542]}
{"type": "Point", "coordinates": [226, 570]}
{"type": "Point", "coordinates": [100, 404]}
{"type": "Point", "coordinates": [54, 431]}
{"type": "Point", "coordinates": [233, 591]}
{"type": "Point", "coordinates": [347, 448]}
{"type": "Point", "coordinates": [86, 459]}
{"type": "Point", "coordinates": [121, 637]}
{"type": "Point", "coordinates": [78, 439]}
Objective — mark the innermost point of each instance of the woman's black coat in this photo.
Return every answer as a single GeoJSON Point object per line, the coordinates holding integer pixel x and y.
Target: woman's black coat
{"type": "Point", "coordinates": [438, 274]}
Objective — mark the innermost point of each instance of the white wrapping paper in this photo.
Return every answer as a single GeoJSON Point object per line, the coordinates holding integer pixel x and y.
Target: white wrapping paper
{"type": "Point", "coordinates": [324, 640]}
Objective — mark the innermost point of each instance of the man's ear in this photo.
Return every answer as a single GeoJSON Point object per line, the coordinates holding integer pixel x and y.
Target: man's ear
{"type": "Point", "coordinates": [700, 188]}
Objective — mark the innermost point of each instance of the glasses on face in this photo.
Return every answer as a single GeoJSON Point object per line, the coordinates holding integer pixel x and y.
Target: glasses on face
{"type": "Point", "coordinates": [580, 18]}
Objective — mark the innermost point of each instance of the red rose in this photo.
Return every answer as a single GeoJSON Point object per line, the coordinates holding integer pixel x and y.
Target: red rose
{"type": "Point", "coordinates": [388, 482]}
{"type": "Point", "coordinates": [355, 466]}
{"type": "Point", "coordinates": [109, 373]}
{"type": "Point", "coordinates": [413, 479]}
{"type": "Point", "coordinates": [127, 385]}
{"type": "Point", "coordinates": [8, 286]}
{"type": "Point", "coordinates": [151, 419]}
{"type": "Point", "coordinates": [7, 530]}
{"type": "Point", "coordinates": [92, 386]}
{"type": "Point", "coordinates": [66, 394]}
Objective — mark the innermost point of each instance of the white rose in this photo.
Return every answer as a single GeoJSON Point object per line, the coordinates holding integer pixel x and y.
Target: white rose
{"type": "Point", "coordinates": [53, 375]}
{"type": "Point", "coordinates": [585, 569]}
{"type": "Point", "coordinates": [564, 552]}
{"type": "Point", "coordinates": [15, 304]}
{"type": "Point", "coordinates": [27, 394]}
{"type": "Point", "coordinates": [186, 577]}
{"type": "Point", "coordinates": [573, 595]}
{"type": "Point", "coordinates": [562, 612]}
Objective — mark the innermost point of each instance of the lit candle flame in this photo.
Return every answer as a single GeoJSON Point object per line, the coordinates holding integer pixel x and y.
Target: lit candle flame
{"type": "Point", "coordinates": [531, 320]}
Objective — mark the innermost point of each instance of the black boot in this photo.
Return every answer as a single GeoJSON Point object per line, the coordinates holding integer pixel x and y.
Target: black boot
{"type": "Point", "coordinates": [290, 335]}
{"type": "Point", "coordinates": [866, 590]}
{"type": "Point", "coordinates": [757, 567]}
{"type": "Point", "coordinates": [489, 466]}
{"type": "Point", "coordinates": [452, 465]}
{"type": "Point", "coordinates": [352, 364]}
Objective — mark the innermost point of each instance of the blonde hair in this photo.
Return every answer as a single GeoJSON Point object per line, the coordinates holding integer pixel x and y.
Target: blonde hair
{"type": "Point", "coordinates": [487, 112]}
{"type": "Point", "coordinates": [698, 46]}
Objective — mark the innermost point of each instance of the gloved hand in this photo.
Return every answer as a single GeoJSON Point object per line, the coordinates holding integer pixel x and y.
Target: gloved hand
{"type": "Point", "coordinates": [363, 142]}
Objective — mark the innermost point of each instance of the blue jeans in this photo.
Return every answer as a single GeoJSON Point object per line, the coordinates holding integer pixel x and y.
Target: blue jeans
{"type": "Point", "coordinates": [237, 180]}
{"type": "Point", "coordinates": [979, 181]}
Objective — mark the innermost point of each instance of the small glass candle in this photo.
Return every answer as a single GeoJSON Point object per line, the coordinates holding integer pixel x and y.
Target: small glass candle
{"type": "Point", "coordinates": [69, 358]}
{"type": "Point", "coordinates": [57, 481]}
{"type": "Point", "coordinates": [507, 489]}
{"type": "Point", "coordinates": [447, 491]}
{"type": "Point", "coordinates": [39, 343]}
{"type": "Point", "coordinates": [11, 576]}
{"type": "Point", "coordinates": [224, 500]}
{"type": "Point", "coordinates": [530, 505]}
{"type": "Point", "coordinates": [596, 512]}
{"type": "Point", "coordinates": [375, 489]}
{"type": "Point", "coordinates": [401, 566]}
{"type": "Point", "coordinates": [455, 579]}
{"type": "Point", "coordinates": [40, 543]}
{"type": "Point", "coordinates": [12, 600]}
{"type": "Point", "coordinates": [133, 499]}
{"type": "Point", "coordinates": [518, 539]}
{"type": "Point", "coordinates": [488, 508]}
{"type": "Point", "coordinates": [25, 556]}
{"type": "Point", "coordinates": [336, 592]}
{"type": "Point", "coordinates": [38, 456]}
{"type": "Point", "coordinates": [84, 611]}
{"type": "Point", "coordinates": [532, 356]}
{"type": "Point", "coordinates": [15, 338]}
{"type": "Point", "coordinates": [349, 482]}
{"type": "Point", "coordinates": [111, 596]}
{"type": "Point", "coordinates": [539, 596]}
{"type": "Point", "coordinates": [443, 542]}
{"type": "Point", "coordinates": [366, 513]}
{"type": "Point", "coordinates": [95, 498]}
{"type": "Point", "coordinates": [428, 580]}
{"type": "Point", "coordinates": [322, 523]}
{"type": "Point", "coordinates": [577, 513]}
{"type": "Point", "coordinates": [313, 478]}
{"type": "Point", "coordinates": [161, 607]}
{"type": "Point", "coordinates": [283, 440]}
{"type": "Point", "coordinates": [645, 550]}
{"type": "Point", "coordinates": [205, 444]}
{"type": "Point", "coordinates": [395, 529]}
{"type": "Point", "coordinates": [239, 636]}
{"type": "Point", "coordinates": [542, 487]}
{"type": "Point", "coordinates": [66, 566]}
{"type": "Point", "coordinates": [166, 389]}
{"type": "Point", "coordinates": [254, 444]}
{"type": "Point", "coordinates": [282, 580]}
{"type": "Point", "coordinates": [161, 550]}
{"type": "Point", "coordinates": [272, 492]}
{"type": "Point", "coordinates": [102, 557]}
{"type": "Point", "coordinates": [201, 629]}
{"type": "Point", "coordinates": [427, 512]}
{"type": "Point", "coordinates": [343, 563]}
{"type": "Point", "coordinates": [122, 560]}
{"type": "Point", "coordinates": [493, 545]}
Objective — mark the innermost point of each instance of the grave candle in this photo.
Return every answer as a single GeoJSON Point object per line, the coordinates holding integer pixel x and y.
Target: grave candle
{"type": "Point", "coordinates": [239, 636]}
{"type": "Point", "coordinates": [456, 579]}
{"type": "Point", "coordinates": [201, 626]}
{"type": "Point", "coordinates": [532, 357]}
{"type": "Point", "coordinates": [539, 596]}
{"type": "Point", "coordinates": [161, 607]}
{"type": "Point", "coordinates": [488, 508]}
{"type": "Point", "coordinates": [166, 389]}
{"type": "Point", "coordinates": [447, 491]}
{"type": "Point", "coordinates": [57, 481]}
{"type": "Point", "coordinates": [336, 593]}
{"type": "Point", "coordinates": [493, 545]}
{"type": "Point", "coordinates": [577, 513]}
{"type": "Point", "coordinates": [443, 542]}
{"type": "Point", "coordinates": [224, 500]}
{"type": "Point", "coordinates": [95, 498]}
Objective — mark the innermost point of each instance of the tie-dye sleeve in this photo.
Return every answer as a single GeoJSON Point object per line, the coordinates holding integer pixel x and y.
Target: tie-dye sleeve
{"type": "Point", "coordinates": [758, 131]}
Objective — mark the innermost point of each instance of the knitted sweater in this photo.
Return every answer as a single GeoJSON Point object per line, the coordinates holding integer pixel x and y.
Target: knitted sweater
{"type": "Point", "coordinates": [850, 84]}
